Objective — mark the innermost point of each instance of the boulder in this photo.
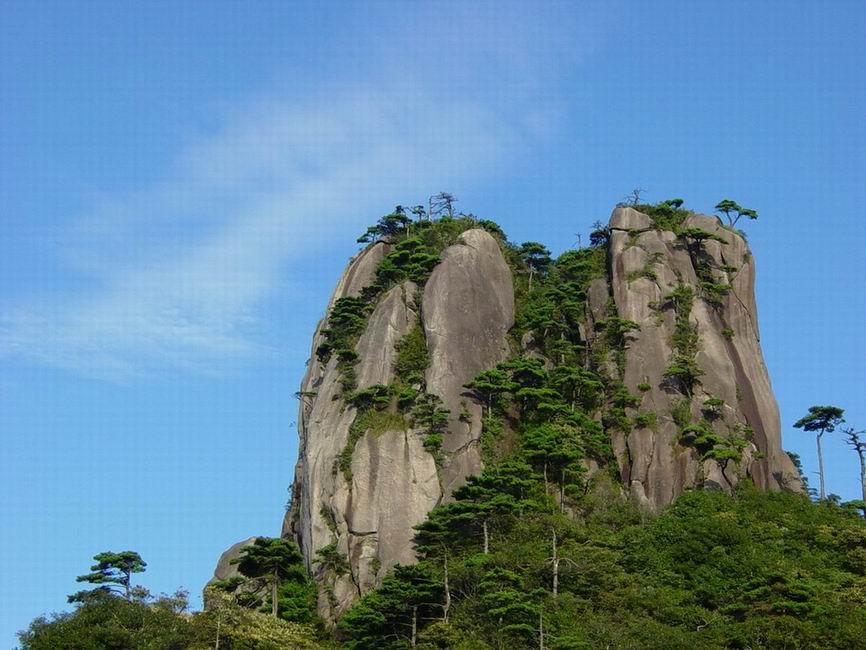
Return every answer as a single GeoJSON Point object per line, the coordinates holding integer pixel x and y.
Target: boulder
{"type": "Point", "coordinates": [625, 218]}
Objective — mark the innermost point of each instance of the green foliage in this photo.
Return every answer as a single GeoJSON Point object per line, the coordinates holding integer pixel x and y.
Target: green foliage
{"type": "Point", "coordinates": [555, 449]}
{"type": "Point", "coordinates": [646, 420]}
{"type": "Point", "coordinates": [412, 358]}
{"type": "Point", "coordinates": [113, 572]}
{"type": "Point", "coordinates": [110, 622]}
{"type": "Point", "coordinates": [734, 212]}
{"type": "Point", "coordinates": [332, 561]}
{"type": "Point", "coordinates": [712, 446]}
{"type": "Point", "coordinates": [823, 419]}
{"type": "Point", "coordinates": [411, 259]}
{"type": "Point", "coordinates": [665, 215]}
{"type": "Point", "coordinates": [553, 307]}
{"type": "Point", "coordinates": [386, 617]}
{"type": "Point", "coordinates": [536, 257]}
{"type": "Point", "coordinates": [271, 557]}
{"type": "Point", "coordinates": [644, 387]}
{"type": "Point", "coordinates": [681, 412]}
{"type": "Point", "coordinates": [715, 292]}
{"type": "Point", "coordinates": [728, 333]}
{"type": "Point", "coordinates": [164, 622]}
{"type": "Point", "coordinates": [277, 564]}
{"type": "Point", "coordinates": [755, 570]}
{"type": "Point", "coordinates": [430, 415]}
{"type": "Point", "coordinates": [374, 397]}
{"type": "Point", "coordinates": [391, 225]}
{"type": "Point", "coordinates": [490, 386]}
{"type": "Point", "coordinates": [695, 237]}
{"type": "Point", "coordinates": [713, 408]}
{"type": "Point", "coordinates": [683, 371]}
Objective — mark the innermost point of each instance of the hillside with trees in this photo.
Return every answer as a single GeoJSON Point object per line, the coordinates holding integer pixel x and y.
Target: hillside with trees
{"type": "Point", "coordinates": [599, 464]}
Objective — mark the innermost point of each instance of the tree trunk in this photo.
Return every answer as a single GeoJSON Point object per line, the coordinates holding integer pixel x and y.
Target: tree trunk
{"type": "Point", "coordinates": [555, 567]}
{"type": "Point", "coordinates": [562, 491]}
{"type": "Point", "coordinates": [274, 595]}
{"type": "Point", "coordinates": [540, 628]}
{"type": "Point", "coordinates": [219, 623]}
{"type": "Point", "coordinates": [862, 453]}
{"type": "Point", "coordinates": [414, 626]}
{"type": "Point", "coordinates": [822, 493]}
{"type": "Point", "coordinates": [530, 279]}
{"type": "Point", "coordinates": [447, 606]}
{"type": "Point", "coordinates": [545, 476]}
{"type": "Point", "coordinates": [486, 537]}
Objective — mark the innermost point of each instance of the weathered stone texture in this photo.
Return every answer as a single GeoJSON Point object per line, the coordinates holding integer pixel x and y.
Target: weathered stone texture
{"type": "Point", "coordinates": [468, 308]}
{"type": "Point", "coordinates": [653, 465]}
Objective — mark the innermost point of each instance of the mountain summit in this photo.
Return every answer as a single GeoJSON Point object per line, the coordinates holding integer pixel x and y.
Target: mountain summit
{"type": "Point", "coordinates": [442, 339]}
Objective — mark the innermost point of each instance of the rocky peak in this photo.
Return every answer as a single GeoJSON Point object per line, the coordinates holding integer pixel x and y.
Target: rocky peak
{"type": "Point", "coordinates": [660, 312]}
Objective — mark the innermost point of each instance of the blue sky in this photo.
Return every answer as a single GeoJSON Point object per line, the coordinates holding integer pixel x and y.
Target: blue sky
{"type": "Point", "coordinates": [181, 184]}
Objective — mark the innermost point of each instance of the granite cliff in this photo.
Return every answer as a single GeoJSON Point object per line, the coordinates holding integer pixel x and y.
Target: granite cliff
{"type": "Point", "coordinates": [660, 311]}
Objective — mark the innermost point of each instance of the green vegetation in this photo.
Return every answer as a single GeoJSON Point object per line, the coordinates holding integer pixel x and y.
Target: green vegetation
{"type": "Point", "coordinates": [665, 215]}
{"type": "Point", "coordinates": [117, 615]}
{"type": "Point", "coordinates": [647, 420]}
{"type": "Point", "coordinates": [733, 211]}
{"type": "Point", "coordinates": [272, 562]}
{"type": "Point", "coordinates": [113, 573]}
{"type": "Point", "coordinates": [412, 357]}
{"type": "Point", "coordinates": [683, 371]}
{"type": "Point", "coordinates": [501, 564]}
{"type": "Point", "coordinates": [431, 416]}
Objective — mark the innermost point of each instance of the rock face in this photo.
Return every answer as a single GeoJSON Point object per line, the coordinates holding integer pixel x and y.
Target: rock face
{"type": "Point", "coordinates": [360, 500]}
{"type": "Point", "coordinates": [645, 267]}
{"type": "Point", "coordinates": [466, 310]}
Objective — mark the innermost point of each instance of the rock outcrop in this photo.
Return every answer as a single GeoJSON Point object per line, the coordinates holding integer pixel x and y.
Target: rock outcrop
{"type": "Point", "coordinates": [466, 309]}
{"type": "Point", "coordinates": [225, 570]}
{"type": "Point", "coordinates": [360, 488]}
{"type": "Point", "coordinates": [645, 267]}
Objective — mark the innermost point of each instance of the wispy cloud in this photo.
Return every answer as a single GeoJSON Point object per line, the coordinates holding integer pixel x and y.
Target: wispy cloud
{"type": "Point", "coordinates": [178, 271]}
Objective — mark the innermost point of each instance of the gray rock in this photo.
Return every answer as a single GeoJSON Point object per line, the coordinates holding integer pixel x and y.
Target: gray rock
{"type": "Point", "coordinates": [393, 317]}
{"type": "Point", "coordinates": [652, 462]}
{"type": "Point", "coordinates": [394, 486]}
{"type": "Point", "coordinates": [625, 218]}
{"type": "Point", "coordinates": [225, 570]}
{"type": "Point", "coordinates": [468, 308]}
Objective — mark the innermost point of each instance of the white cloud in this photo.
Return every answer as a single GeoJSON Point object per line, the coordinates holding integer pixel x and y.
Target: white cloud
{"type": "Point", "coordinates": [179, 270]}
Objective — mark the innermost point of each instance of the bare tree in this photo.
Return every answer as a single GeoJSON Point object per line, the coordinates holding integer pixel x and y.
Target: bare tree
{"type": "Point", "coordinates": [442, 203]}
{"type": "Point", "coordinates": [858, 444]}
{"type": "Point", "coordinates": [554, 562]}
{"type": "Point", "coordinates": [633, 197]}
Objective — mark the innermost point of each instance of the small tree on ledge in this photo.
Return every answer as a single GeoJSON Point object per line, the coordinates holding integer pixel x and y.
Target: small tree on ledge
{"type": "Point", "coordinates": [734, 211]}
